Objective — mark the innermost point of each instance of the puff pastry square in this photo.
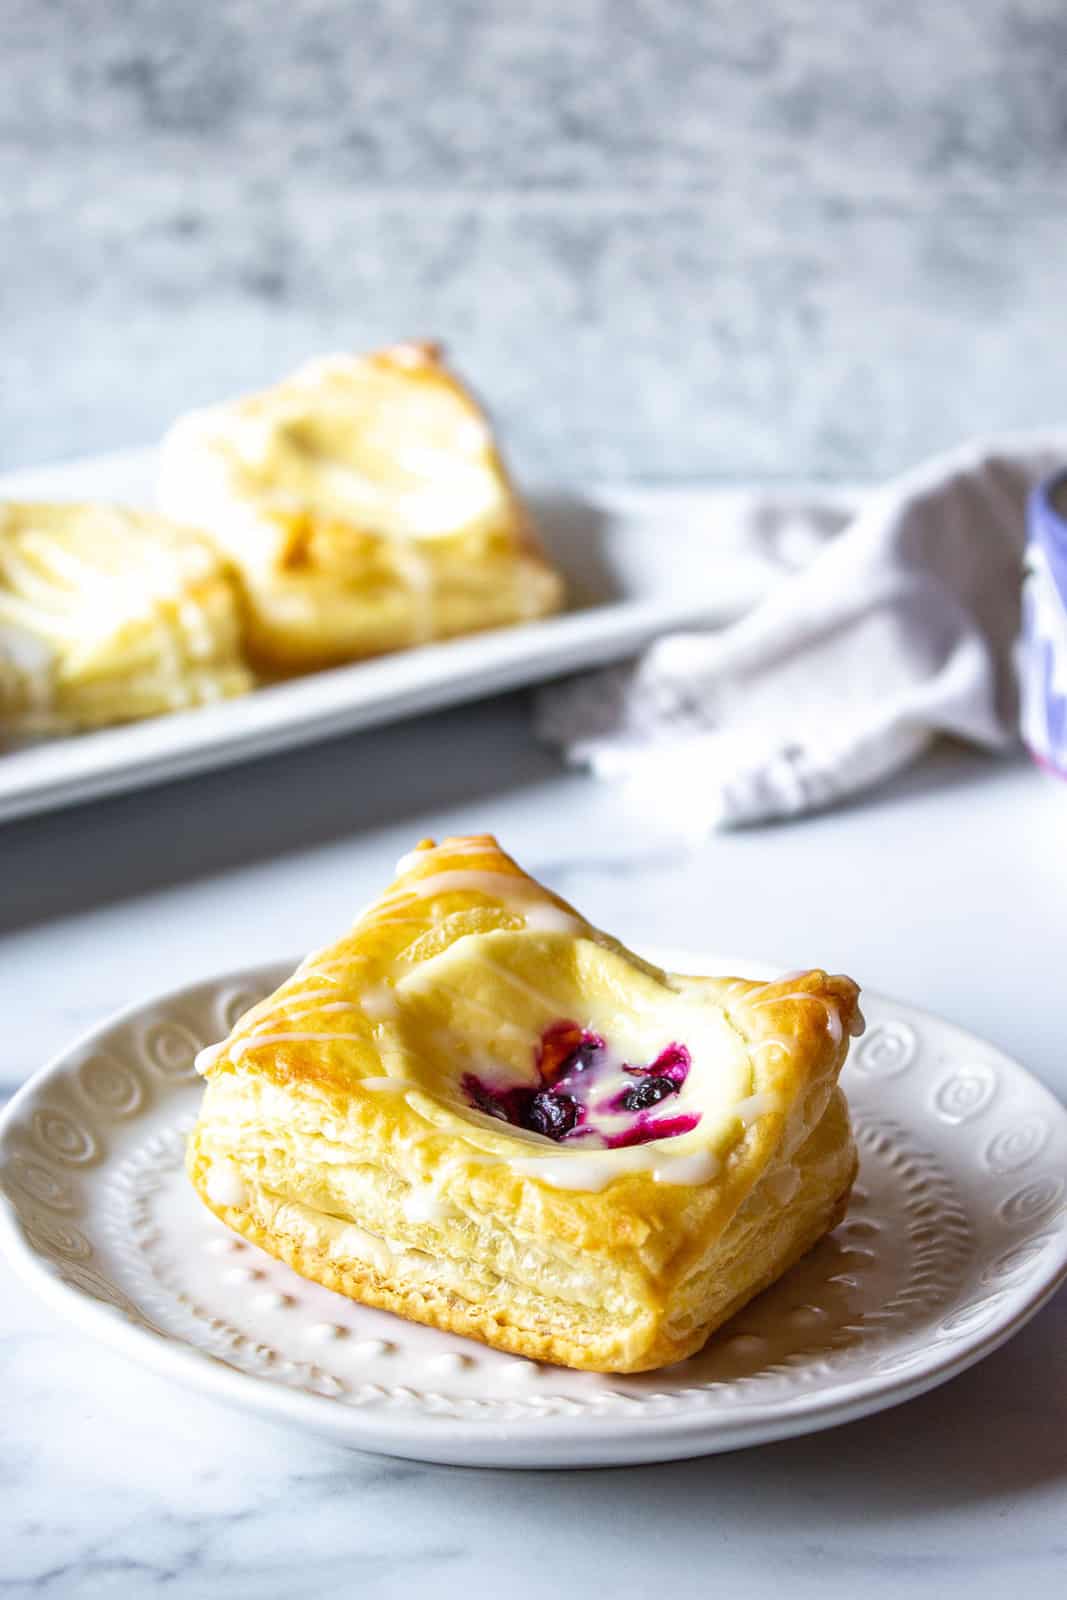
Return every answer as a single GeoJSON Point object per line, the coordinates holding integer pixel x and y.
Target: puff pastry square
{"type": "Point", "coordinates": [480, 1112]}
{"type": "Point", "coordinates": [366, 507]}
{"type": "Point", "coordinates": [107, 615]}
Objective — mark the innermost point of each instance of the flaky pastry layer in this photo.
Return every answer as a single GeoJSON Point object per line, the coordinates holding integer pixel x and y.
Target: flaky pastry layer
{"type": "Point", "coordinates": [339, 1131]}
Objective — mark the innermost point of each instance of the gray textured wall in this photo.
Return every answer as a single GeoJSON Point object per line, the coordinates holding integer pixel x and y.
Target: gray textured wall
{"type": "Point", "coordinates": [667, 239]}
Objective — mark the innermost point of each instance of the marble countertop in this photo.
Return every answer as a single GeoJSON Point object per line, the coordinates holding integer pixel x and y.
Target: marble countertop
{"type": "Point", "coordinates": [948, 888]}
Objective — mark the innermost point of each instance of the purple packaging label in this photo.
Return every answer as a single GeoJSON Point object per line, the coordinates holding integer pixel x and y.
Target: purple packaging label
{"type": "Point", "coordinates": [1043, 651]}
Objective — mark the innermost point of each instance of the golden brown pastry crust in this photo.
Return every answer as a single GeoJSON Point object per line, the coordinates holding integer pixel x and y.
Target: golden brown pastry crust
{"type": "Point", "coordinates": [333, 1177]}
{"type": "Point", "coordinates": [366, 507]}
{"type": "Point", "coordinates": [109, 614]}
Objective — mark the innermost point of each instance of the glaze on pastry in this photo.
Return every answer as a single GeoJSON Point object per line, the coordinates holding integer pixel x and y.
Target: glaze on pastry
{"type": "Point", "coordinates": [478, 1111]}
{"type": "Point", "coordinates": [108, 615]}
{"type": "Point", "coordinates": [366, 507]}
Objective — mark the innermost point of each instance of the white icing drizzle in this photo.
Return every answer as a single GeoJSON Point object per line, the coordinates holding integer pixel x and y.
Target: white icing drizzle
{"type": "Point", "coordinates": [371, 915]}
{"type": "Point", "coordinates": [546, 917]}
{"type": "Point", "coordinates": [314, 1010]}
{"type": "Point", "coordinates": [833, 1022]}
{"type": "Point", "coordinates": [260, 1040]}
{"type": "Point", "coordinates": [27, 660]}
{"type": "Point", "coordinates": [520, 894]}
{"type": "Point", "coordinates": [591, 1170]}
{"type": "Point", "coordinates": [424, 1205]}
{"type": "Point", "coordinates": [698, 1167]}
{"type": "Point", "coordinates": [833, 1015]}
{"type": "Point", "coordinates": [206, 1058]}
{"type": "Point", "coordinates": [775, 1043]}
{"type": "Point", "coordinates": [352, 1240]}
{"type": "Point", "coordinates": [312, 967]}
{"type": "Point", "coordinates": [413, 858]}
{"type": "Point", "coordinates": [595, 1171]}
{"type": "Point", "coordinates": [741, 983]}
{"type": "Point", "coordinates": [225, 1186]}
{"type": "Point", "coordinates": [477, 844]}
{"type": "Point", "coordinates": [319, 1008]}
{"type": "Point", "coordinates": [379, 1003]}
{"type": "Point", "coordinates": [755, 1106]}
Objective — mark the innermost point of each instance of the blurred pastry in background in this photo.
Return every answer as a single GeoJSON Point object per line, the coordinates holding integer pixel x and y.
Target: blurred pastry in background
{"type": "Point", "coordinates": [365, 507]}
{"type": "Point", "coordinates": [108, 615]}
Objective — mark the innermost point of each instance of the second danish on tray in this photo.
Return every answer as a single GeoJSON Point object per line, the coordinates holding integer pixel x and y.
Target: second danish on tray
{"type": "Point", "coordinates": [365, 506]}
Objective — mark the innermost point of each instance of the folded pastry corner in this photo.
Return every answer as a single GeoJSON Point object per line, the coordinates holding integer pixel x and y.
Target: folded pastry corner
{"type": "Point", "coordinates": [366, 507]}
{"type": "Point", "coordinates": [109, 614]}
{"type": "Point", "coordinates": [478, 1111]}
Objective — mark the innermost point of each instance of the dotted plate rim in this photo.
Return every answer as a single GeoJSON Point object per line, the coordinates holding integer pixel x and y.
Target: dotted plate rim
{"type": "Point", "coordinates": [992, 1127]}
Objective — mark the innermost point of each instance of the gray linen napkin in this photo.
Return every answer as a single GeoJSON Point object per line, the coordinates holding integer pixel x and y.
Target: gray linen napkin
{"type": "Point", "coordinates": [899, 625]}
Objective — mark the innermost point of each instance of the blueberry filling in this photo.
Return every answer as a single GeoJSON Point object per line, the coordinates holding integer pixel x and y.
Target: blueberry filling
{"type": "Point", "coordinates": [672, 1063]}
{"type": "Point", "coordinates": [644, 1132]}
{"type": "Point", "coordinates": [565, 1048]}
{"type": "Point", "coordinates": [507, 1105]}
{"type": "Point", "coordinates": [649, 1092]}
{"type": "Point", "coordinates": [573, 1101]}
{"type": "Point", "coordinates": [554, 1115]}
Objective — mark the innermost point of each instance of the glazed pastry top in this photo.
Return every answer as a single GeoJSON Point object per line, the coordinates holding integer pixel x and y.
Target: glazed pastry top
{"type": "Point", "coordinates": [347, 450]}
{"type": "Point", "coordinates": [108, 612]}
{"type": "Point", "coordinates": [471, 1006]}
{"type": "Point", "coordinates": [73, 568]}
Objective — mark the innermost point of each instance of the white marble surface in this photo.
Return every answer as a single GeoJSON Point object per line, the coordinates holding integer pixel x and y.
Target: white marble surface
{"type": "Point", "coordinates": [950, 888]}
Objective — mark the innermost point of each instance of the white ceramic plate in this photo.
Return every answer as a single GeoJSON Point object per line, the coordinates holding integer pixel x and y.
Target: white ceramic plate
{"type": "Point", "coordinates": [956, 1234]}
{"type": "Point", "coordinates": [638, 563]}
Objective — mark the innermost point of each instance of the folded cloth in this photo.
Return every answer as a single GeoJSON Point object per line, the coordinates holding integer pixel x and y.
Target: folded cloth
{"type": "Point", "coordinates": [896, 623]}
